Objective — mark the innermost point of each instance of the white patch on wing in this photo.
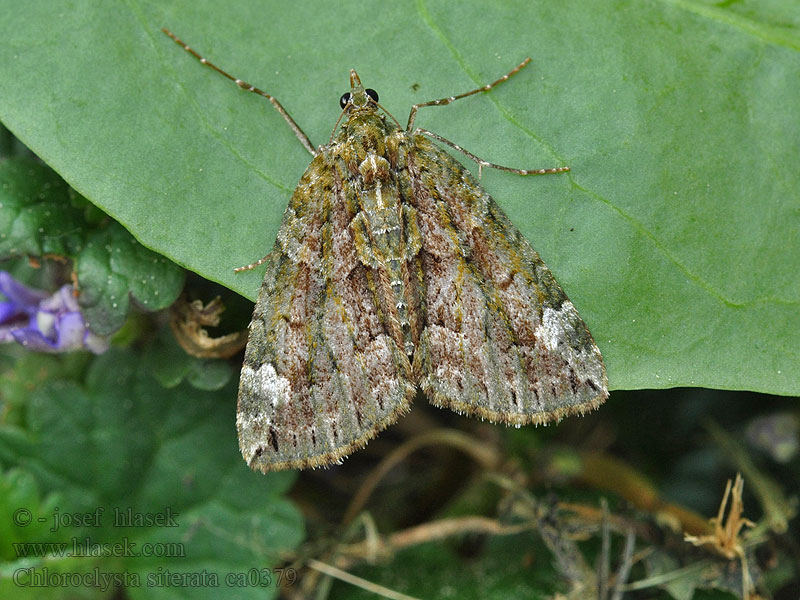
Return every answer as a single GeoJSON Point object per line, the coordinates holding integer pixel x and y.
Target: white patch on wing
{"type": "Point", "coordinates": [553, 332]}
{"type": "Point", "coordinates": [554, 325]}
{"type": "Point", "coordinates": [265, 383]}
{"type": "Point", "coordinates": [270, 390]}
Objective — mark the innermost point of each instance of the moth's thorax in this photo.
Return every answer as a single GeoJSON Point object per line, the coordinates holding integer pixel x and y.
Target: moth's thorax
{"type": "Point", "coordinates": [365, 130]}
{"type": "Point", "coordinates": [365, 156]}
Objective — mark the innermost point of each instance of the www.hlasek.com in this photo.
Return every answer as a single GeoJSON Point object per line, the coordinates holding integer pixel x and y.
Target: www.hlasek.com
{"type": "Point", "coordinates": [88, 548]}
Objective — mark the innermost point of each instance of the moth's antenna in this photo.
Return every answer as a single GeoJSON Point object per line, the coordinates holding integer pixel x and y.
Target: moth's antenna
{"type": "Point", "coordinates": [249, 88]}
{"type": "Point", "coordinates": [449, 99]}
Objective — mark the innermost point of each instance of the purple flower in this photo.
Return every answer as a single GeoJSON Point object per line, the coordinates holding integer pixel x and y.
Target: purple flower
{"type": "Point", "coordinates": [42, 323]}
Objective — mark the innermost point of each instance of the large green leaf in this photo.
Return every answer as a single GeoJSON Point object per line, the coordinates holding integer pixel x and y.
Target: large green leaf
{"type": "Point", "coordinates": [675, 233]}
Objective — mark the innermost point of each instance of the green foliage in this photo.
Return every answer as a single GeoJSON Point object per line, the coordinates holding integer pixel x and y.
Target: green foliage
{"type": "Point", "coordinates": [119, 440]}
{"type": "Point", "coordinates": [19, 490]}
{"type": "Point", "coordinates": [171, 365]}
{"type": "Point", "coordinates": [495, 569]}
{"type": "Point", "coordinates": [36, 215]}
{"type": "Point", "coordinates": [115, 270]}
{"type": "Point", "coordinates": [41, 217]}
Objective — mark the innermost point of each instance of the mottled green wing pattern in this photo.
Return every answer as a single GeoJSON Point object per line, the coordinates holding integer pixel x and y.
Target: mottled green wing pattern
{"type": "Point", "coordinates": [501, 339]}
{"type": "Point", "coordinates": [320, 375]}
{"type": "Point", "coordinates": [393, 268]}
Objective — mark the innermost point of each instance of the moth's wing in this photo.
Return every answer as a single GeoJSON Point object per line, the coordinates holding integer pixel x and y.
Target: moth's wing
{"type": "Point", "coordinates": [501, 339]}
{"type": "Point", "coordinates": [320, 375]}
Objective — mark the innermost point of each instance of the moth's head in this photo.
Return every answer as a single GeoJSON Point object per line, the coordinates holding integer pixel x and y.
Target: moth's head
{"type": "Point", "coordinates": [358, 99]}
{"type": "Point", "coordinates": [361, 111]}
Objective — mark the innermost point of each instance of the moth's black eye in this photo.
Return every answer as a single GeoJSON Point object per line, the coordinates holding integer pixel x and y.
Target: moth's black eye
{"type": "Point", "coordinates": [344, 99]}
{"type": "Point", "coordinates": [372, 94]}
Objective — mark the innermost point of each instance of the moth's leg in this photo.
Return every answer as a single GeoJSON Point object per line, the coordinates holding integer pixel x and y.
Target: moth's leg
{"type": "Point", "coordinates": [250, 88]}
{"type": "Point", "coordinates": [446, 101]}
{"type": "Point", "coordinates": [260, 261]}
{"type": "Point", "coordinates": [482, 163]}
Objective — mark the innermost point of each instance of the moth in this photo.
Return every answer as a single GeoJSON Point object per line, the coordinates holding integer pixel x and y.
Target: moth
{"type": "Point", "coordinates": [394, 269]}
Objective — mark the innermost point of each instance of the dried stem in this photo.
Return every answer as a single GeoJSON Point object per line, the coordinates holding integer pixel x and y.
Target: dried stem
{"type": "Point", "coordinates": [380, 590]}
{"type": "Point", "coordinates": [484, 455]}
